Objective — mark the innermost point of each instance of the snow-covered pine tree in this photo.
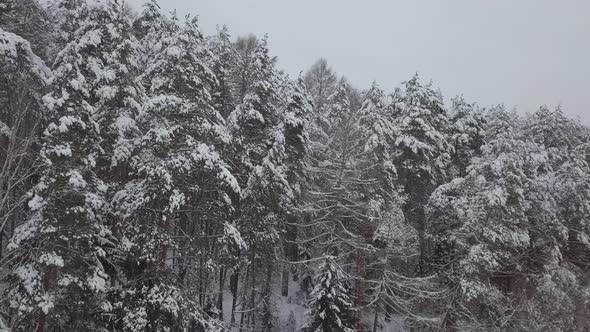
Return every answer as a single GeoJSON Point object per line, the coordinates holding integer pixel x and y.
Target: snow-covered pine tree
{"type": "Point", "coordinates": [60, 279]}
{"type": "Point", "coordinates": [376, 168]}
{"type": "Point", "coordinates": [331, 304]}
{"type": "Point", "coordinates": [379, 136]}
{"type": "Point", "coordinates": [67, 17]}
{"type": "Point", "coordinates": [149, 28]}
{"type": "Point", "coordinates": [182, 193]}
{"type": "Point", "coordinates": [384, 277]}
{"type": "Point", "coordinates": [556, 294]}
{"type": "Point", "coordinates": [258, 126]}
{"type": "Point", "coordinates": [465, 135]}
{"type": "Point", "coordinates": [558, 134]}
{"type": "Point", "coordinates": [29, 20]}
{"type": "Point", "coordinates": [223, 64]}
{"type": "Point", "coordinates": [354, 95]}
{"type": "Point", "coordinates": [251, 122]}
{"type": "Point", "coordinates": [296, 117]}
{"type": "Point", "coordinates": [501, 122]}
{"type": "Point", "coordinates": [421, 148]}
{"type": "Point", "coordinates": [562, 299]}
{"type": "Point", "coordinates": [551, 128]}
{"type": "Point", "coordinates": [491, 265]}
{"type": "Point", "coordinates": [116, 93]}
{"type": "Point", "coordinates": [560, 296]}
{"type": "Point", "coordinates": [243, 73]}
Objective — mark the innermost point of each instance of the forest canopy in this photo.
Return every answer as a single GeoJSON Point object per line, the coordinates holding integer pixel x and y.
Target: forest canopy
{"type": "Point", "coordinates": [154, 178]}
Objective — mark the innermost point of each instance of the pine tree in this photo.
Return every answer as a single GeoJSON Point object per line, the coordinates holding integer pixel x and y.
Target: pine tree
{"type": "Point", "coordinates": [243, 73]}
{"type": "Point", "coordinates": [551, 129]}
{"type": "Point", "coordinates": [379, 130]}
{"type": "Point", "coordinates": [351, 191]}
{"type": "Point", "coordinates": [296, 117]}
{"type": "Point", "coordinates": [331, 306]}
{"type": "Point", "coordinates": [223, 64]}
{"type": "Point", "coordinates": [67, 17]}
{"type": "Point", "coordinates": [149, 29]}
{"type": "Point", "coordinates": [165, 168]}
{"type": "Point", "coordinates": [382, 274]}
{"type": "Point", "coordinates": [506, 187]}
{"type": "Point", "coordinates": [295, 120]}
{"type": "Point", "coordinates": [558, 134]}
{"type": "Point", "coordinates": [61, 278]}
{"type": "Point", "coordinates": [501, 123]}
{"type": "Point", "coordinates": [29, 20]}
{"type": "Point", "coordinates": [420, 148]}
{"type": "Point", "coordinates": [561, 299]}
{"type": "Point", "coordinates": [179, 175]}
{"type": "Point", "coordinates": [259, 128]}
{"type": "Point", "coordinates": [466, 135]}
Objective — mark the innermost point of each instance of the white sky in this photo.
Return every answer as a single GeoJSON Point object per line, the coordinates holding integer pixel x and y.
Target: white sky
{"type": "Point", "coordinates": [524, 53]}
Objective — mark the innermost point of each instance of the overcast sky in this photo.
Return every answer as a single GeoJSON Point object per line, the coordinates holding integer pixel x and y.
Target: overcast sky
{"type": "Point", "coordinates": [523, 53]}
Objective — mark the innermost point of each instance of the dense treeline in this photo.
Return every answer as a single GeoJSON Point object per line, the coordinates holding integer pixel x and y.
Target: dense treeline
{"type": "Point", "coordinates": [153, 178]}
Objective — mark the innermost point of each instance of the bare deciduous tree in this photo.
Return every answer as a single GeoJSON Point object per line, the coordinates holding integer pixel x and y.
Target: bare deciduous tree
{"type": "Point", "coordinates": [22, 79]}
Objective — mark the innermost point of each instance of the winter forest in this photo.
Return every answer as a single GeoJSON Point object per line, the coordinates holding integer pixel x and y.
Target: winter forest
{"type": "Point", "coordinates": [153, 178]}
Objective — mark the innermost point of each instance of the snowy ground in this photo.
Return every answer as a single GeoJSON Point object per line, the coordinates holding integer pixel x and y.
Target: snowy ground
{"type": "Point", "coordinates": [291, 310]}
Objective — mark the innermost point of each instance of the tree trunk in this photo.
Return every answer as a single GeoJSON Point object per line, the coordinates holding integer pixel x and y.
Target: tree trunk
{"type": "Point", "coordinates": [375, 320]}
{"type": "Point", "coordinates": [233, 287]}
{"type": "Point", "coordinates": [220, 296]}
{"type": "Point", "coordinates": [285, 281]}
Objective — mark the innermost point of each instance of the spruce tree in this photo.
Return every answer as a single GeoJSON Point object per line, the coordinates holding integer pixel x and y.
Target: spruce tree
{"type": "Point", "coordinates": [331, 305]}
